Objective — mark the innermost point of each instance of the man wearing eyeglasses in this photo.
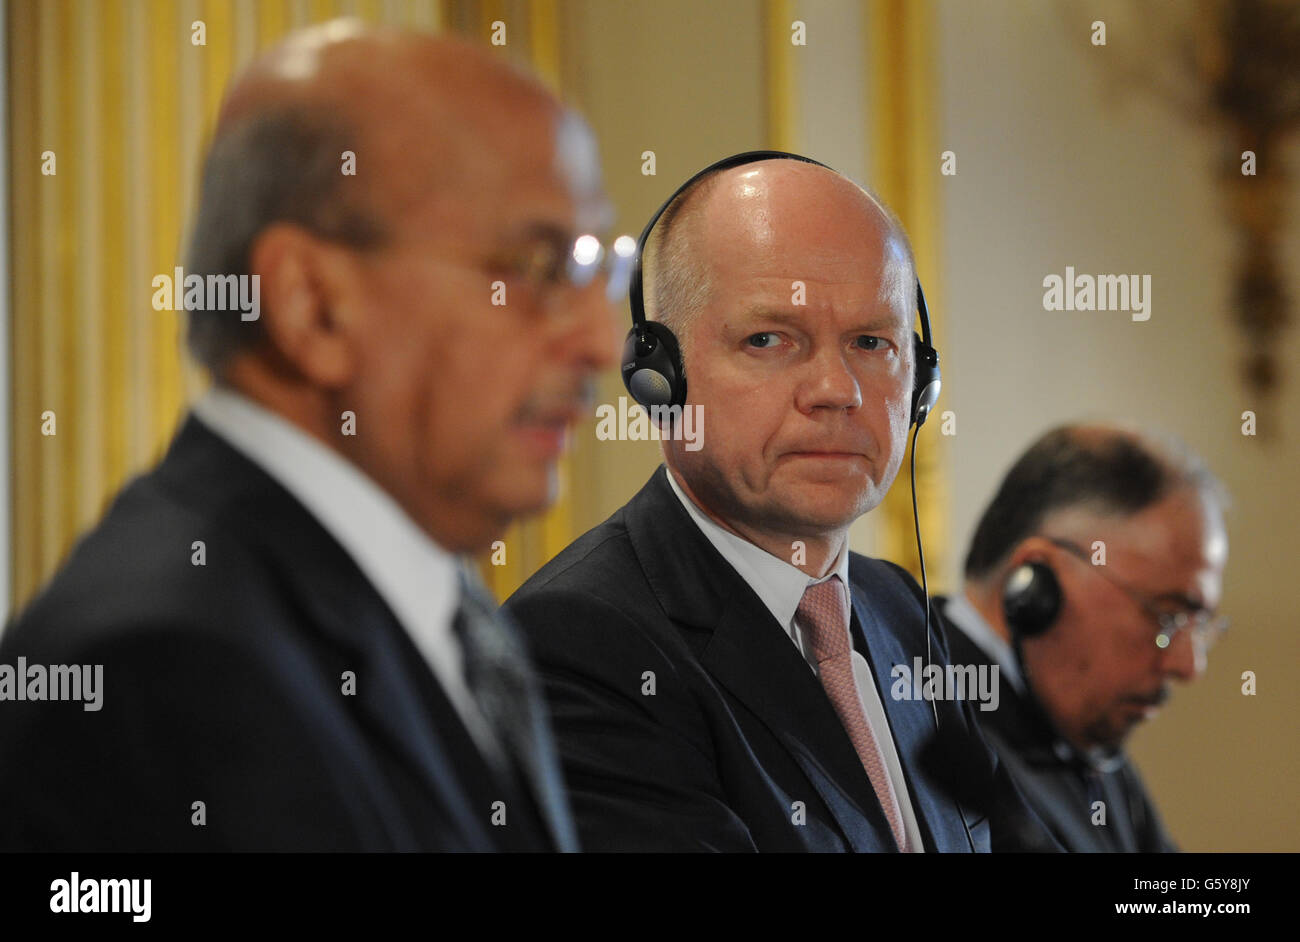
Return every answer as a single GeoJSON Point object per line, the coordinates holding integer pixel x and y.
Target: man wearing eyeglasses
{"type": "Point", "coordinates": [1092, 580]}
{"type": "Point", "coordinates": [294, 656]}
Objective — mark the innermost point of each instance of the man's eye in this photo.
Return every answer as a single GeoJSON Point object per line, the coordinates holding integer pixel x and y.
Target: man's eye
{"type": "Point", "coordinates": [536, 264]}
{"type": "Point", "coordinates": [867, 342]}
{"type": "Point", "coordinates": [544, 264]}
{"type": "Point", "coordinates": [762, 341]}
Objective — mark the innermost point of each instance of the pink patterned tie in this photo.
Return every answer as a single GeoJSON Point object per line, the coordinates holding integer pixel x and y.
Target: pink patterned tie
{"type": "Point", "coordinates": [824, 616]}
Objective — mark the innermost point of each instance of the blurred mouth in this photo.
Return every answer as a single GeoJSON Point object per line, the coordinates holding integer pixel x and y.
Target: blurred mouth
{"type": "Point", "coordinates": [543, 424]}
{"type": "Point", "coordinates": [1147, 707]}
{"type": "Point", "coordinates": [546, 436]}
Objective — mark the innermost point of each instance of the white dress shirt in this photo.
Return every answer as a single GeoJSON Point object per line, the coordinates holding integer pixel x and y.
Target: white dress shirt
{"type": "Point", "coordinates": [416, 577]}
{"type": "Point", "coordinates": [781, 585]}
{"type": "Point", "coordinates": [960, 613]}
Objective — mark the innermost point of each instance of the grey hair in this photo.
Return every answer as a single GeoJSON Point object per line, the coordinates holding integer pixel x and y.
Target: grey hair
{"type": "Point", "coordinates": [1114, 470]}
{"type": "Point", "coordinates": [676, 276]}
{"type": "Point", "coordinates": [279, 165]}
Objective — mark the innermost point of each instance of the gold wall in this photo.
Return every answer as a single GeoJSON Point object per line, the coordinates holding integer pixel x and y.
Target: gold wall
{"type": "Point", "coordinates": [116, 90]}
{"type": "Point", "coordinates": [122, 96]}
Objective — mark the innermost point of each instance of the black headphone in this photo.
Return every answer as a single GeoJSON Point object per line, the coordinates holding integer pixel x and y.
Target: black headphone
{"type": "Point", "coordinates": [653, 373]}
{"type": "Point", "coordinates": [1031, 602]}
{"type": "Point", "coordinates": [1031, 599]}
{"type": "Point", "coordinates": [652, 359]}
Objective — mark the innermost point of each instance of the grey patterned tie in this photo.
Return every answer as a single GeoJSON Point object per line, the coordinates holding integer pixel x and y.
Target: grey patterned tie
{"type": "Point", "coordinates": [506, 690]}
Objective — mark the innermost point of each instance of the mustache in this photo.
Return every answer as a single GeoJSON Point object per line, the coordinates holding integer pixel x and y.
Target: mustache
{"type": "Point", "coordinates": [565, 404]}
{"type": "Point", "coordinates": [1159, 698]}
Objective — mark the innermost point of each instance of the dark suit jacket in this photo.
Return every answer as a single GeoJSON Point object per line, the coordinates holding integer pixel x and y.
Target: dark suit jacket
{"type": "Point", "coordinates": [223, 685]}
{"type": "Point", "coordinates": [738, 747]}
{"type": "Point", "coordinates": [1062, 790]}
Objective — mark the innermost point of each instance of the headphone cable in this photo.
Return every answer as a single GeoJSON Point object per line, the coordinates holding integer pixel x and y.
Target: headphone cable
{"type": "Point", "coordinates": [920, 553]}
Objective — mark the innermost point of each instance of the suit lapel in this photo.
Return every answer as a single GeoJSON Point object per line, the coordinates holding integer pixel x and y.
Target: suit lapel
{"type": "Point", "coordinates": [753, 658]}
{"type": "Point", "coordinates": [338, 603]}
{"type": "Point", "coordinates": [911, 723]}
{"type": "Point", "coordinates": [387, 698]}
{"type": "Point", "coordinates": [1017, 720]}
{"type": "Point", "coordinates": [750, 655]}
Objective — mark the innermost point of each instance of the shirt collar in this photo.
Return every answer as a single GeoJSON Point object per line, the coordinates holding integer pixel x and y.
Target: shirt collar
{"type": "Point", "coordinates": [1047, 741]}
{"type": "Point", "coordinates": [778, 584]}
{"type": "Point", "coordinates": [415, 576]}
{"type": "Point", "coordinates": [961, 613]}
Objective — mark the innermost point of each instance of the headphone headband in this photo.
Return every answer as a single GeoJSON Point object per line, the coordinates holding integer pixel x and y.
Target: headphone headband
{"type": "Point", "coordinates": [726, 163]}
{"type": "Point", "coordinates": [652, 366]}
{"type": "Point", "coordinates": [923, 310]}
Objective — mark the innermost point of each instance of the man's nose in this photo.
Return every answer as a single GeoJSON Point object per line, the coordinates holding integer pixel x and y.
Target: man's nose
{"type": "Point", "coordinates": [594, 334]}
{"type": "Point", "coordinates": [830, 383]}
{"type": "Point", "coordinates": [1184, 658]}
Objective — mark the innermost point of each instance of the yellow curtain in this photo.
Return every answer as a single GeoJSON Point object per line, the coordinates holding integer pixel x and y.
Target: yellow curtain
{"type": "Point", "coordinates": [900, 88]}
{"type": "Point", "coordinates": [110, 103]}
{"type": "Point", "coordinates": [113, 101]}
{"type": "Point", "coordinates": [905, 160]}
{"type": "Point", "coordinates": [533, 38]}
{"type": "Point", "coordinates": [782, 73]}
{"type": "Point", "coordinates": [123, 98]}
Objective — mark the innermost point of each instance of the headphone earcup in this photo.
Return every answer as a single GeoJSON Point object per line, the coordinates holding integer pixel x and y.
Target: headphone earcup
{"type": "Point", "coordinates": [652, 366]}
{"type": "Point", "coordinates": [1031, 599]}
{"type": "Point", "coordinates": [927, 382]}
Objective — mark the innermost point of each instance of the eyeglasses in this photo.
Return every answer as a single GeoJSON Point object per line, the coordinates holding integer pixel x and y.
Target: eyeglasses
{"type": "Point", "coordinates": [549, 266]}
{"type": "Point", "coordinates": [1205, 626]}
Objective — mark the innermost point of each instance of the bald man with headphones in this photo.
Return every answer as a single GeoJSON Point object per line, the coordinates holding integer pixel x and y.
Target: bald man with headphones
{"type": "Point", "coordinates": [716, 660]}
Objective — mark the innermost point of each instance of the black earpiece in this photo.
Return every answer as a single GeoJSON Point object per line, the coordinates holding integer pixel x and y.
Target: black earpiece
{"type": "Point", "coordinates": [927, 380]}
{"type": "Point", "coordinates": [652, 361]}
{"type": "Point", "coordinates": [652, 366]}
{"type": "Point", "coordinates": [1031, 599]}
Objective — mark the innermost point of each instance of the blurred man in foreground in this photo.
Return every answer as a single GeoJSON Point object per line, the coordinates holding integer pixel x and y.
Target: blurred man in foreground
{"type": "Point", "coordinates": [293, 656]}
{"type": "Point", "coordinates": [1092, 580]}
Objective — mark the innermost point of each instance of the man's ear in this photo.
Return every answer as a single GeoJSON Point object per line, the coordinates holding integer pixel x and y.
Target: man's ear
{"type": "Point", "coordinates": [297, 305]}
{"type": "Point", "coordinates": [1032, 549]}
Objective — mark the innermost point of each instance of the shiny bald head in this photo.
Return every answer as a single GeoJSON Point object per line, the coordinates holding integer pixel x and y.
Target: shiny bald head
{"type": "Point", "coordinates": [799, 354]}
{"type": "Point", "coordinates": [745, 209]}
